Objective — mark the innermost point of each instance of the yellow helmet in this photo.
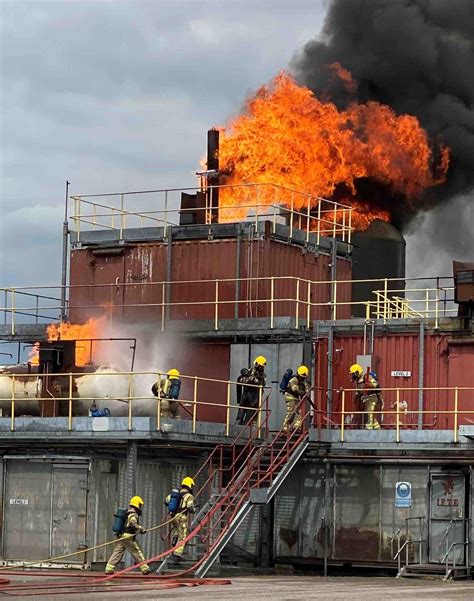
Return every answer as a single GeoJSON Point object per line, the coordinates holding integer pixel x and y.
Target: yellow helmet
{"type": "Point", "coordinates": [356, 369]}
{"type": "Point", "coordinates": [302, 371]}
{"type": "Point", "coordinates": [173, 374]}
{"type": "Point", "coordinates": [137, 502]}
{"type": "Point", "coordinates": [260, 360]}
{"type": "Point", "coordinates": [189, 482]}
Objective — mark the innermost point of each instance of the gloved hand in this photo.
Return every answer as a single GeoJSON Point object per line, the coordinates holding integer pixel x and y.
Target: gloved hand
{"type": "Point", "coordinates": [143, 530]}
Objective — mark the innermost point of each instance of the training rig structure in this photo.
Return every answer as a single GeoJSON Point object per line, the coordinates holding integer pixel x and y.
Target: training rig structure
{"type": "Point", "coordinates": [217, 291]}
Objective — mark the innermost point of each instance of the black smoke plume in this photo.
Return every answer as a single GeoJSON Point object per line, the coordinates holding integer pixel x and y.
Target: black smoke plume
{"type": "Point", "coordinates": [416, 56]}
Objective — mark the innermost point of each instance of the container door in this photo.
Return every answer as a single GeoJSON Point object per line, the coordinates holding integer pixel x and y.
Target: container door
{"type": "Point", "coordinates": [447, 503]}
{"type": "Point", "coordinates": [69, 510]}
{"type": "Point", "coordinates": [27, 510]}
{"type": "Point", "coordinates": [44, 509]}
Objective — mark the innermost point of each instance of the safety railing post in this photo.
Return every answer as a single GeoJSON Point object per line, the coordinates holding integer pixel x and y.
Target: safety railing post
{"type": "Point", "coordinates": [260, 408]}
{"type": "Point", "coordinates": [166, 213]}
{"type": "Point", "coordinates": [195, 403]}
{"type": "Point", "coordinates": [334, 300]}
{"type": "Point", "coordinates": [12, 417]}
{"type": "Point", "coordinates": [397, 417]}
{"type": "Point", "coordinates": [272, 298]}
{"type": "Point", "coordinates": [318, 236]}
{"type": "Point", "coordinates": [297, 312]}
{"type": "Point", "coordinates": [37, 307]}
{"type": "Point", "coordinates": [456, 391]}
{"type": "Point", "coordinates": [274, 219]}
{"type": "Point", "coordinates": [216, 315]}
{"type": "Point", "coordinates": [227, 417]}
{"type": "Point", "coordinates": [334, 218]}
{"type": "Point", "coordinates": [343, 410]}
{"type": "Point", "coordinates": [291, 214]}
{"type": "Point", "coordinates": [437, 308]}
{"type": "Point", "coordinates": [308, 305]}
{"type": "Point", "coordinates": [69, 413]}
{"type": "Point", "coordinates": [385, 299]}
{"type": "Point", "coordinates": [308, 217]}
{"type": "Point", "coordinates": [163, 305]}
{"type": "Point", "coordinates": [13, 311]}
{"type": "Point", "coordinates": [5, 303]}
{"type": "Point", "coordinates": [427, 303]}
{"type": "Point", "coordinates": [350, 227]}
{"type": "Point", "coordinates": [130, 375]}
{"type": "Point", "coordinates": [122, 217]}
{"type": "Point", "coordinates": [158, 402]}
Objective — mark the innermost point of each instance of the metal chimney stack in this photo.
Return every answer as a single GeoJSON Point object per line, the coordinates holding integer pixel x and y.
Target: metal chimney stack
{"type": "Point", "coordinates": [213, 180]}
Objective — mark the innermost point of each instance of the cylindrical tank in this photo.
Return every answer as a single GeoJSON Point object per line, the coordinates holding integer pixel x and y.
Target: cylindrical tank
{"type": "Point", "coordinates": [105, 386]}
{"type": "Point", "coordinates": [26, 387]}
{"type": "Point", "coordinates": [378, 253]}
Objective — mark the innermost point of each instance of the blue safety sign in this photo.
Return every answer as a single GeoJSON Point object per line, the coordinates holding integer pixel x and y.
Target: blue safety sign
{"type": "Point", "coordinates": [403, 494]}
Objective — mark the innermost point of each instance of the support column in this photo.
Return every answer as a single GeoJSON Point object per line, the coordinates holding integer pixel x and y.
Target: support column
{"type": "Point", "coordinates": [267, 511]}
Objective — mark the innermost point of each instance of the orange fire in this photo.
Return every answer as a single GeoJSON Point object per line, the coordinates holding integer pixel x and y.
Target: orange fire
{"type": "Point", "coordinates": [289, 137]}
{"type": "Point", "coordinates": [80, 332]}
{"type": "Point", "coordinates": [70, 331]}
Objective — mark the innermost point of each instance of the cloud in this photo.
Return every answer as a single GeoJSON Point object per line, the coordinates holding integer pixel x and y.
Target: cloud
{"type": "Point", "coordinates": [118, 96]}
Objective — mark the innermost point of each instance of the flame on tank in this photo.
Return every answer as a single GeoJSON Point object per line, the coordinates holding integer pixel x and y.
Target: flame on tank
{"type": "Point", "coordinates": [287, 136]}
{"type": "Point", "coordinates": [71, 331]}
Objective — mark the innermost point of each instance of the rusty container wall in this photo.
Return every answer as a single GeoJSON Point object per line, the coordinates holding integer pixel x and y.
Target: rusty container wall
{"type": "Point", "coordinates": [359, 511]}
{"type": "Point", "coordinates": [446, 364]}
{"type": "Point", "coordinates": [127, 283]}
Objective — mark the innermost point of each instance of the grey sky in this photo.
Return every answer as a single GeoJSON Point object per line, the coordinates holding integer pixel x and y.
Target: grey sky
{"type": "Point", "coordinates": [119, 95]}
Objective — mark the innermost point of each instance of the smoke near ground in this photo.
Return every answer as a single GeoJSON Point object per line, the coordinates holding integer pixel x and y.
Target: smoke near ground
{"type": "Point", "coordinates": [417, 56]}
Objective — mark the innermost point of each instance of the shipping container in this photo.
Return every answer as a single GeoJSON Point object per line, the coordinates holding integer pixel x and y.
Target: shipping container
{"type": "Point", "coordinates": [154, 281]}
{"type": "Point", "coordinates": [447, 362]}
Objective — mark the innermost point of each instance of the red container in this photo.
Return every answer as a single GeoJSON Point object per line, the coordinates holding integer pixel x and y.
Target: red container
{"type": "Point", "coordinates": [128, 282]}
{"type": "Point", "coordinates": [448, 362]}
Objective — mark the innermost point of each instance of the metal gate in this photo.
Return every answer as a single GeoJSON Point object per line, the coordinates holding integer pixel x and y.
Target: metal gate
{"type": "Point", "coordinates": [44, 509]}
{"type": "Point", "coordinates": [447, 522]}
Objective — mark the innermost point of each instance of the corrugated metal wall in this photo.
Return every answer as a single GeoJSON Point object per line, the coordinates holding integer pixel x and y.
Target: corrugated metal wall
{"type": "Point", "coordinates": [445, 365]}
{"type": "Point", "coordinates": [361, 515]}
{"type": "Point", "coordinates": [147, 263]}
{"type": "Point", "coordinates": [154, 481]}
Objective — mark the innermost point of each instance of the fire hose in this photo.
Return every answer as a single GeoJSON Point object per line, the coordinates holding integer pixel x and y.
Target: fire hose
{"type": "Point", "coordinates": [86, 550]}
{"type": "Point", "coordinates": [170, 579]}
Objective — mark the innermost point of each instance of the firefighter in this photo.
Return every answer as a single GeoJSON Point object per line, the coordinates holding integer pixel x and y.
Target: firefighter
{"type": "Point", "coordinates": [167, 388]}
{"type": "Point", "coordinates": [367, 394]}
{"type": "Point", "coordinates": [126, 540]}
{"type": "Point", "coordinates": [298, 388]}
{"type": "Point", "coordinates": [251, 394]}
{"type": "Point", "coordinates": [241, 381]}
{"type": "Point", "coordinates": [185, 507]}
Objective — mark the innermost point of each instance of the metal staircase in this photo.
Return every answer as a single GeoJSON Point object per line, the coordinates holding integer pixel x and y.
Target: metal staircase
{"type": "Point", "coordinates": [448, 568]}
{"type": "Point", "coordinates": [256, 470]}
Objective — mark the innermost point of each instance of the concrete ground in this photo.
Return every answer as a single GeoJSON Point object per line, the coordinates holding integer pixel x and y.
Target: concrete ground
{"type": "Point", "coordinates": [276, 588]}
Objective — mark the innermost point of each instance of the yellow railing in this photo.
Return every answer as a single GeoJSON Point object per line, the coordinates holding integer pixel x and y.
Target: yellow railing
{"type": "Point", "coordinates": [392, 398]}
{"type": "Point", "coordinates": [256, 202]}
{"type": "Point", "coordinates": [412, 303]}
{"type": "Point", "coordinates": [225, 298]}
{"type": "Point", "coordinates": [129, 382]}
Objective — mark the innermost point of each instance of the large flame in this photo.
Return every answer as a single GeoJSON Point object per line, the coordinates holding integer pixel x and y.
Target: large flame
{"type": "Point", "coordinates": [287, 136]}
